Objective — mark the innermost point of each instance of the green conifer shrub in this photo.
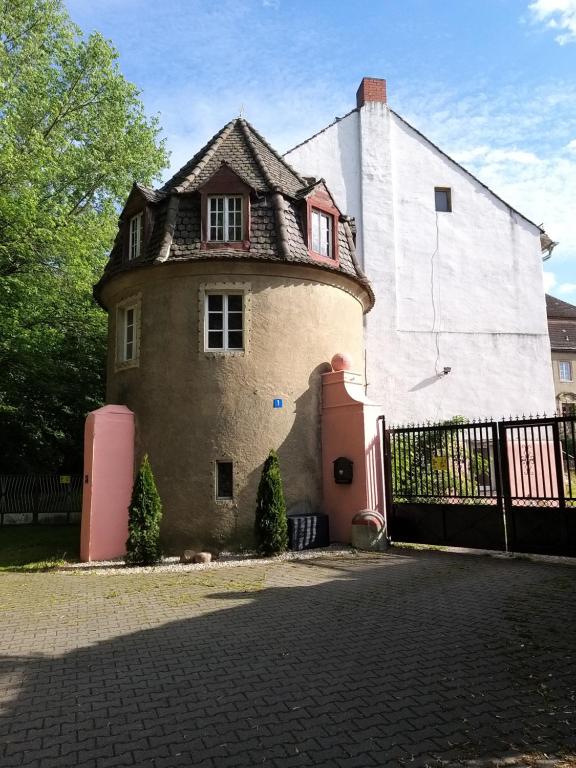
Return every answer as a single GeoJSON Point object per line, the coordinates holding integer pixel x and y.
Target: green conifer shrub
{"type": "Point", "coordinates": [145, 513]}
{"type": "Point", "coordinates": [271, 525]}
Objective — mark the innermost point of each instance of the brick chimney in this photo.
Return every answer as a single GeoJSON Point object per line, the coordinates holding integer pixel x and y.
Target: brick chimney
{"type": "Point", "coordinates": [371, 89]}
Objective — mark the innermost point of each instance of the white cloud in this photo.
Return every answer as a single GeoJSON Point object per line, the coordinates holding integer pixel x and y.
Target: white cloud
{"type": "Point", "coordinates": [567, 288]}
{"type": "Point", "coordinates": [549, 281]}
{"type": "Point", "coordinates": [571, 146]}
{"type": "Point", "coordinates": [558, 15]}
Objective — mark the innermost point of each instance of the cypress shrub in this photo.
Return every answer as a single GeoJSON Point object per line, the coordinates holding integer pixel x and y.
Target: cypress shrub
{"type": "Point", "coordinates": [145, 513]}
{"type": "Point", "coordinates": [271, 525]}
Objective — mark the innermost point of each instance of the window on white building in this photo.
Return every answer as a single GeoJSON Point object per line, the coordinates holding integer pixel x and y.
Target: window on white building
{"type": "Point", "coordinates": [322, 224]}
{"type": "Point", "coordinates": [224, 321]}
{"type": "Point", "coordinates": [443, 199]}
{"type": "Point", "coordinates": [225, 218]}
{"type": "Point", "coordinates": [565, 370]}
{"type": "Point", "coordinates": [135, 245]}
{"type": "Point", "coordinates": [224, 480]}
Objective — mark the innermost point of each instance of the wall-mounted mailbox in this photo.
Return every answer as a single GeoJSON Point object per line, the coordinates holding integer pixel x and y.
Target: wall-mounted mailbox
{"type": "Point", "coordinates": [343, 470]}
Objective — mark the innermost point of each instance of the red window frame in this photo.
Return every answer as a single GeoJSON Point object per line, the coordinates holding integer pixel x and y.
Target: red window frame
{"type": "Point", "coordinates": [323, 203]}
{"type": "Point", "coordinates": [225, 183]}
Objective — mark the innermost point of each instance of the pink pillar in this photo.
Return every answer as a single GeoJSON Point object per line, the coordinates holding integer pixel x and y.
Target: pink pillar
{"type": "Point", "coordinates": [108, 479]}
{"type": "Point", "coordinates": [350, 430]}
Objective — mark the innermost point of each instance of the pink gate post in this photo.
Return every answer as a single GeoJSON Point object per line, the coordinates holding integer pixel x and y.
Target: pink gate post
{"type": "Point", "coordinates": [349, 430]}
{"type": "Point", "coordinates": [108, 479]}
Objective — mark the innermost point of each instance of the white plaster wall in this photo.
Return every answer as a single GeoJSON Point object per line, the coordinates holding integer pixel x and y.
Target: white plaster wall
{"type": "Point", "coordinates": [461, 289]}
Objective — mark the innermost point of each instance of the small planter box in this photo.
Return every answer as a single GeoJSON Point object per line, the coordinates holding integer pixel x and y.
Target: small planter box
{"type": "Point", "coordinates": [308, 532]}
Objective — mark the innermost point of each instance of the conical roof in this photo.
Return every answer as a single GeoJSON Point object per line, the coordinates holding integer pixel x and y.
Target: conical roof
{"type": "Point", "coordinates": [174, 225]}
{"type": "Point", "coordinates": [247, 153]}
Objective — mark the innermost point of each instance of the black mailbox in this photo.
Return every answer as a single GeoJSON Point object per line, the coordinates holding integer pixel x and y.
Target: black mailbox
{"type": "Point", "coordinates": [343, 470]}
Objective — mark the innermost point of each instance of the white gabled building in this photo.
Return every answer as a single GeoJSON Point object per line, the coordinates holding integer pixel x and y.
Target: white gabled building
{"type": "Point", "coordinates": [459, 325]}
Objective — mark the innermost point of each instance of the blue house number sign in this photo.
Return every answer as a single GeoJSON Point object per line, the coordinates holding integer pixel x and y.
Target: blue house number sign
{"type": "Point", "coordinates": [278, 403]}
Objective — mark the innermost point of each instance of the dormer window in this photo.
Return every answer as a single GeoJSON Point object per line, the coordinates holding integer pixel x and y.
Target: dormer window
{"type": "Point", "coordinates": [226, 220]}
{"type": "Point", "coordinates": [322, 228]}
{"type": "Point", "coordinates": [321, 223]}
{"type": "Point", "coordinates": [135, 244]}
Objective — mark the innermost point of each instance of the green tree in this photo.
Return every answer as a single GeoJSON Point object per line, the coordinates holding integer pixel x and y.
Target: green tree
{"type": "Point", "coordinates": [144, 516]}
{"type": "Point", "coordinates": [271, 525]}
{"type": "Point", "coordinates": [464, 466]}
{"type": "Point", "coordinates": [73, 137]}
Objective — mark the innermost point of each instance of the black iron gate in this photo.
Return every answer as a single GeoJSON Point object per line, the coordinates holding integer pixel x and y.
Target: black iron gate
{"type": "Point", "coordinates": [508, 485]}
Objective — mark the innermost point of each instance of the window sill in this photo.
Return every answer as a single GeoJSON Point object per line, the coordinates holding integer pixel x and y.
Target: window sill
{"type": "Point", "coordinates": [335, 262]}
{"type": "Point", "coordinates": [126, 365]}
{"type": "Point", "coordinates": [224, 352]}
{"type": "Point", "coordinates": [236, 245]}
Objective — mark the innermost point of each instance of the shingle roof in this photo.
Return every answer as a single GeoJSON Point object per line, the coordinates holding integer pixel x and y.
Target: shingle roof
{"type": "Point", "coordinates": [247, 153]}
{"type": "Point", "coordinates": [558, 308]}
{"type": "Point", "coordinates": [276, 211]}
{"type": "Point", "coordinates": [561, 324]}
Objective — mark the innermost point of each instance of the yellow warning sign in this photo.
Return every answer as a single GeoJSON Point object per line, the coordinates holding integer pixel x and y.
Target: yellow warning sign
{"type": "Point", "coordinates": [440, 463]}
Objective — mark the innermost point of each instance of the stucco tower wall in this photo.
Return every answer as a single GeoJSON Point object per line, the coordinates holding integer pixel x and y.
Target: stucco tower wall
{"type": "Point", "coordinates": [461, 289]}
{"type": "Point", "coordinates": [194, 408]}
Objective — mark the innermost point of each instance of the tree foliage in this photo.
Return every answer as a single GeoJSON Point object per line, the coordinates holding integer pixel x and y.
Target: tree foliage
{"type": "Point", "coordinates": [271, 525]}
{"type": "Point", "coordinates": [466, 466]}
{"type": "Point", "coordinates": [73, 137]}
{"type": "Point", "coordinates": [145, 514]}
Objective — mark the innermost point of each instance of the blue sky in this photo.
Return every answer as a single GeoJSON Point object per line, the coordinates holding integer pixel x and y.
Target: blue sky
{"type": "Point", "coordinates": [492, 82]}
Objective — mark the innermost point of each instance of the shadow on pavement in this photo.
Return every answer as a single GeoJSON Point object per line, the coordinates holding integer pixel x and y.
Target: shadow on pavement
{"type": "Point", "coordinates": [434, 661]}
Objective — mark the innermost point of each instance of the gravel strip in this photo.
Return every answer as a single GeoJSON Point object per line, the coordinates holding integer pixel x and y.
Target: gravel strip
{"type": "Point", "coordinates": [225, 560]}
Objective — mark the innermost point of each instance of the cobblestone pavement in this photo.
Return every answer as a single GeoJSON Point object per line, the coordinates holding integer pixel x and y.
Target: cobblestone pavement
{"type": "Point", "coordinates": [408, 658]}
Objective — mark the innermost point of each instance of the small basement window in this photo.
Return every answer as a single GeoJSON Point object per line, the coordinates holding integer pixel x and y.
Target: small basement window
{"type": "Point", "coordinates": [224, 480]}
{"type": "Point", "coordinates": [443, 199]}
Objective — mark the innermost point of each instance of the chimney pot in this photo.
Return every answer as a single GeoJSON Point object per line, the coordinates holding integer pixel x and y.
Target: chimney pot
{"type": "Point", "coordinates": [371, 89]}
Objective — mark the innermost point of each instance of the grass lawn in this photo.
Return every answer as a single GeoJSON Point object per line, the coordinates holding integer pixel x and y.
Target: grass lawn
{"type": "Point", "coordinates": [38, 547]}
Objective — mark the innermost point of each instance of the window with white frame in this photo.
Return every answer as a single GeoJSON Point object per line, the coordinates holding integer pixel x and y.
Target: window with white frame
{"type": "Point", "coordinates": [322, 224]}
{"type": "Point", "coordinates": [127, 343]}
{"type": "Point", "coordinates": [135, 244]}
{"type": "Point", "coordinates": [565, 370]}
{"type": "Point", "coordinates": [224, 321]}
{"type": "Point", "coordinates": [225, 218]}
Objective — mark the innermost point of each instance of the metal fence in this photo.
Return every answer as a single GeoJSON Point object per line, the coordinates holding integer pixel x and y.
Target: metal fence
{"type": "Point", "coordinates": [40, 499]}
{"type": "Point", "coordinates": [495, 485]}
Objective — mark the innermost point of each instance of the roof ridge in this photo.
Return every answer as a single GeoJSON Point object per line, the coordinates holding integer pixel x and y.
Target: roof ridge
{"type": "Point", "coordinates": [224, 133]}
{"type": "Point", "coordinates": [194, 165]}
{"type": "Point", "coordinates": [271, 149]}
{"type": "Point", "coordinates": [326, 127]}
{"type": "Point", "coordinates": [466, 171]}
{"type": "Point", "coordinates": [245, 126]}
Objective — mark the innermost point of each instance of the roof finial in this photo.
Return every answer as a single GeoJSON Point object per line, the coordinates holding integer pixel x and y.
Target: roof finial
{"type": "Point", "coordinates": [241, 114]}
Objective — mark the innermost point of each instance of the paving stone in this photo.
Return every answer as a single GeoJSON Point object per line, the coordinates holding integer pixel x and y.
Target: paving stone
{"type": "Point", "coordinates": [400, 659]}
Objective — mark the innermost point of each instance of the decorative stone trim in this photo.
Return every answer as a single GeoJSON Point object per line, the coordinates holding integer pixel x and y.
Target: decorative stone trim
{"type": "Point", "coordinates": [131, 301]}
{"type": "Point", "coordinates": [224, 287]}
